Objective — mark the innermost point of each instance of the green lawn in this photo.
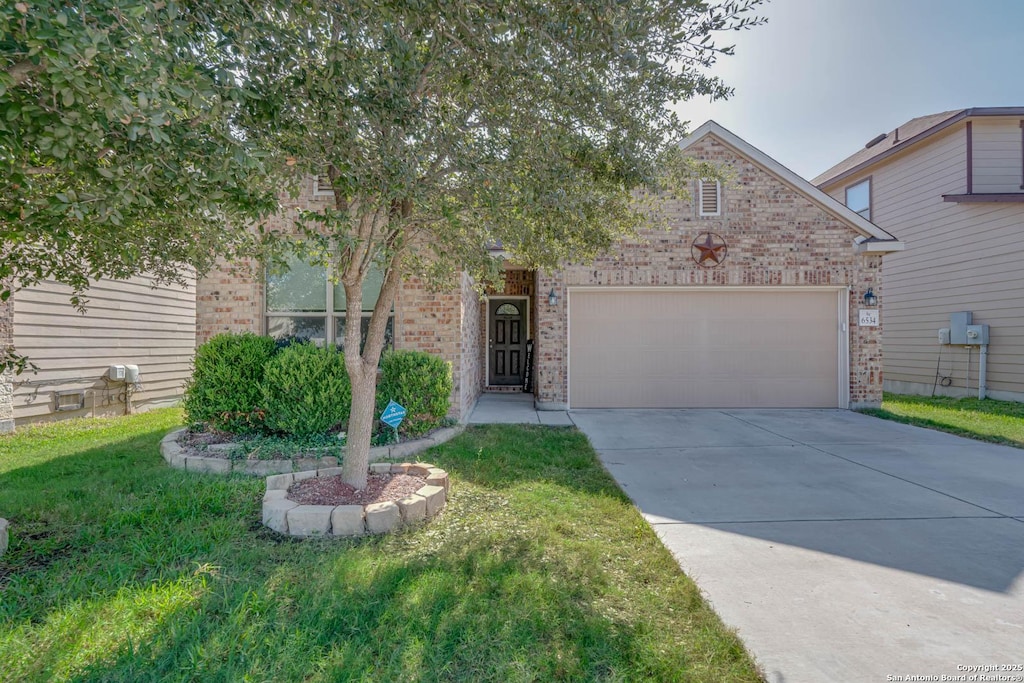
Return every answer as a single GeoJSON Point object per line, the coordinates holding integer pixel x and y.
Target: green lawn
{"type": "Point", "coordinates": [988, 420]}
{"type": "Point", "coordinates": [539, 569]}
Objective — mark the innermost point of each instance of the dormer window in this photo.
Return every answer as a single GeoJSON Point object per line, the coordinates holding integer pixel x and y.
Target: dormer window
{"type": "Point", "coordinates": [858, 198]}
{"type": "Point", "coordinates": [709, 197]}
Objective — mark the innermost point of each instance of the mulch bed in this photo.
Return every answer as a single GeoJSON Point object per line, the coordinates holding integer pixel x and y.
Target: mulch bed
{"type": "Point", "coordinates": [380, 488]}
{"type": "Point", "coordinates": [195, 439]}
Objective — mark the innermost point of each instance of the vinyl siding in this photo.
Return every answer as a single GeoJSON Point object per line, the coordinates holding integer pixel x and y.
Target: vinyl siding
{"type": "Point", "coordinates": [959, 257]}
{"type": "Point", "coordinates": [997, 155]}
{"type": "Point", "coordinates": [126, 322]}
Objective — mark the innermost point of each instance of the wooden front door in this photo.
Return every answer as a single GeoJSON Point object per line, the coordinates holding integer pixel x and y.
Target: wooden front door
{"type": "Point", "coordinates": [507, 341]}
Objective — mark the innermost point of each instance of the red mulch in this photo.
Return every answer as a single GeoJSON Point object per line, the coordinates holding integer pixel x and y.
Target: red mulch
{"type": "Point", "coordinates": [333, 491]}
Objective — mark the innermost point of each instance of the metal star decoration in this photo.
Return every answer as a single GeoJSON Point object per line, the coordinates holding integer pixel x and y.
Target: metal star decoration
{"type": "Point", "coordinates": [709, 247]}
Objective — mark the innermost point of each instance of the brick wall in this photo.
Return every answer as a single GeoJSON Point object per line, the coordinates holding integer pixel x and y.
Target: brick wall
{"type": "Point", "coordinates": [432, 322]}
{"type": "Point", "coordinates": [229, 299]}
{"type": "Point", "coordinates": [6, 378]}
{"type": "Point", "coordinates": [776, 236]}
{"type": "Point", "coordinates": [471, 370]}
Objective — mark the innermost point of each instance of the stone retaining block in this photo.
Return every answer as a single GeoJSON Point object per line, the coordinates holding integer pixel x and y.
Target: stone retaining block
{"type": "Point", "coordinates": [435, 499]}
{"type": "Point", "coordinates": [419, 469]}
{"type": "Point", "coordinates": [438, 477]}
{"type": "Point", "coordinates": [175, 456]}
{"type": "Point", "coordinates": [275, 514]}
{"type": "Point", "coordinates": [208, 465]}
{"type": "Point", "coordinates": [382, 517]}
{"type": "Point", "coordinates": [288, 517]}
{"type": "Point", "coordinates": [280, 481]}
{"type": "Point", "coordinates": [348, 520]}
{"type": "Point", "coordinates": [310, 520]}
{"type": "Point", "coordinates": [413, 509]}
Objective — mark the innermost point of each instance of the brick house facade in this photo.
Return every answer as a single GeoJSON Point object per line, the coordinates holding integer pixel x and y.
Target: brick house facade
{"type": "Point", "coordinates": [782, 234]}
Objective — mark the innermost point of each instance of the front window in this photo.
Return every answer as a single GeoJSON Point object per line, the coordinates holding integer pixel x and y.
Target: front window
{"type": "Point", "coordinates": [858, 198]}
{"type": "Point", "coordinates": [303, 302]}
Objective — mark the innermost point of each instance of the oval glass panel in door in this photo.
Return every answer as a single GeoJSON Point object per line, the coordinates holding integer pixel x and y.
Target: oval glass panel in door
{"type": "Point", "coordinates": [507, 309]}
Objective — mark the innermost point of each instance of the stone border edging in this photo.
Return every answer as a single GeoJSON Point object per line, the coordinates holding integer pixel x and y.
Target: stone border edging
{"type": "Point", "coordinates": [288, 517]}
{"type": "Point", "coordinates": [175, 456]}
{"type": "Point", "coordinates": [4, 538]}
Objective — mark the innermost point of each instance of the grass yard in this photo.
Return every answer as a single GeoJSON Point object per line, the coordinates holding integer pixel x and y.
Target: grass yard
{"type": "Point", "coordinates": [123, 569]}
{"type": "Point", "coordinates": [988, 420]}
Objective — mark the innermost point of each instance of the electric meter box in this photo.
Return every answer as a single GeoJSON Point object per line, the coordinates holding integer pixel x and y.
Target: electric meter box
{"type": "Point", "coordinates": [116, 373]}
{"type": "Point", "coordinates": [977, 335]}
{"type": "Point", "coordinates": [131, 374]}
{"type": "Point", "coordinates": [944, 335]}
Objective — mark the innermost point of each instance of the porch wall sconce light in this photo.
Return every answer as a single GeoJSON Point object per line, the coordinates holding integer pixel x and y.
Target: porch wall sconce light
{"type": "Point", "coordinates": [552, 297]}
{"type": "Point", "coordinates": [869, 297]}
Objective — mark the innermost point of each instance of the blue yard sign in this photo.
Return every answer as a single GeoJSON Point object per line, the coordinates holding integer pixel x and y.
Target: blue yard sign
{"type": "Point", "coordinates": [393, 415]}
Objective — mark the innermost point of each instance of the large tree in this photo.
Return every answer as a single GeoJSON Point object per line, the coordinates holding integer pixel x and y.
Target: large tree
{"type": "Point", "coordinates": [448, 126]}
{"type": "Point", "coordinates": [117, 150]}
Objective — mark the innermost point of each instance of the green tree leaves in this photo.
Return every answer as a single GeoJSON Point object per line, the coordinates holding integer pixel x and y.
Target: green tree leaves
{"type": "Point", "coordinates": [117, 146]}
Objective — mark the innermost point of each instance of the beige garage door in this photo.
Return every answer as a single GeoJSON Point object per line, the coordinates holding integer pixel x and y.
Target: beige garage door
{"type": "Point", "coordinates": [704, 349]}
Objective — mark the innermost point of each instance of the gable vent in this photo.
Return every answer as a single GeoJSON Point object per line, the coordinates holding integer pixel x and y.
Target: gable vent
{"type": "Point", "coordinates": [322, 185]}
{"type": "Point", "coordinates": [710, 198]}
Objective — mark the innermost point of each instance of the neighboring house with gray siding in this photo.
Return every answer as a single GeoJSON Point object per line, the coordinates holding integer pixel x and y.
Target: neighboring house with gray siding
{"type": "Point", "coordinates": [951, 185]}
{"type": "Point", "coordinates": [127, 322]}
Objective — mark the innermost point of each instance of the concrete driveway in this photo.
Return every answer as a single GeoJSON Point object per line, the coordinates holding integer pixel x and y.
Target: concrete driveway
{"type": "Point", "coordinates": [840, 546]}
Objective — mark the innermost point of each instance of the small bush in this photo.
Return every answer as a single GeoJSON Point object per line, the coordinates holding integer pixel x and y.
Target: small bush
{"type": "Point", "coordinates": [421, 383]}
{"type": "Point", "coordinates": [224, 390]}
{"type": "Point", "coordinates": [306, 390]}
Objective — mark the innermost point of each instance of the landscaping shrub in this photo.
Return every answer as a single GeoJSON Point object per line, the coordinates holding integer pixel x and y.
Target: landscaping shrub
{"type": "Point", "coordinates": [224, 390]}
{"type": "Point", "coordinates": [306, 390]}
{"type": "Point", "coordinates": [420, 382]}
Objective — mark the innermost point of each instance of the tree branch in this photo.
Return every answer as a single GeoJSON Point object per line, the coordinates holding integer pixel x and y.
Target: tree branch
{"type": "Point", "coordinates": [24, 70]}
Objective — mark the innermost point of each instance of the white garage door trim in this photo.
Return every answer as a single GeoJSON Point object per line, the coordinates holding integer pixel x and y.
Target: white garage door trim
{"type": "Point", "coordinates": [842, 325]}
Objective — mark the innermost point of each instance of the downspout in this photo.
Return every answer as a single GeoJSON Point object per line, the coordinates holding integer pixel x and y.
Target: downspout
{"type": "Point", "coordinates": [982, 368]}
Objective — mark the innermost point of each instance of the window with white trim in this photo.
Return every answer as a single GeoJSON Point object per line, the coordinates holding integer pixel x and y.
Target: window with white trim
{"type": "Point", "coordinates": [709, 197]}
{"type": "Point", "coordinates": [858, 198]}
{"type": "Point", "coordinates": [303, 302]}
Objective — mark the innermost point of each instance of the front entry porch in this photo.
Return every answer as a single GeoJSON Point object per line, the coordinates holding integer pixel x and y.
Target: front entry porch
{"type": "Point", "coordinates": [507, 329]}
{"type": "Point", "coordinates": [515, 408]}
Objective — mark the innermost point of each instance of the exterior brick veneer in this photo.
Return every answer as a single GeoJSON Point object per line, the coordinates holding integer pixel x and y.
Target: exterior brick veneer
{"type": "Point", "coordinates": [776, 236]}
{"type": "Point", "coordinates": [288, 517]}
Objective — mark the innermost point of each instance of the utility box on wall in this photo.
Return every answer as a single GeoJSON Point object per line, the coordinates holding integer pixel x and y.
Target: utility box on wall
{"type": "Point", "coordinates": [958, 323]}
{"type": "Point", "coordinates": [977, 335]}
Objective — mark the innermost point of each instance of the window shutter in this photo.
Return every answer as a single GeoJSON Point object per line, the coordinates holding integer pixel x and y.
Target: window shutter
{"type": "Point", "coordinates": [710, 197]}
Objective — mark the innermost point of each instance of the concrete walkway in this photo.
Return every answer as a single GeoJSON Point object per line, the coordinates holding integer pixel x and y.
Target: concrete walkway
{"type": "Point", "coordinates": [840, 546]}
{"type": "Point", "coordinates": [515, 408]}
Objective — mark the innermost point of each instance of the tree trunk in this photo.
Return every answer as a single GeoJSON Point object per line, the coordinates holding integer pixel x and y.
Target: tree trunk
{"type": "Point", "coordinates": [356, 462]}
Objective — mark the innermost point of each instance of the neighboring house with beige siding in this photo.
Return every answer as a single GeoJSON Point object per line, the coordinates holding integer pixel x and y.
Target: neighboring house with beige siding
{"type": "Point", "coordinates": [951, 185]}
{"type": "Point", "coordinates": [127, 322]}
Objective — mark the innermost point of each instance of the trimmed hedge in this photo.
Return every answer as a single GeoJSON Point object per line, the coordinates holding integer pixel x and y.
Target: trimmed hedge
{"type": "Point", "coordinates": [306, 390]}
{"type": "Point", "coordinates": [225, 388]}
{"type": "Point", "coordinates": [245, 384]}
{"type": "Point", "coordinates": [421, 383]}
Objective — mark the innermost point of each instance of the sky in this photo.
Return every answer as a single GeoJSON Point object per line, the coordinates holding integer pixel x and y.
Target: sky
{"type": "Point", "coordinates": [823, 77]}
